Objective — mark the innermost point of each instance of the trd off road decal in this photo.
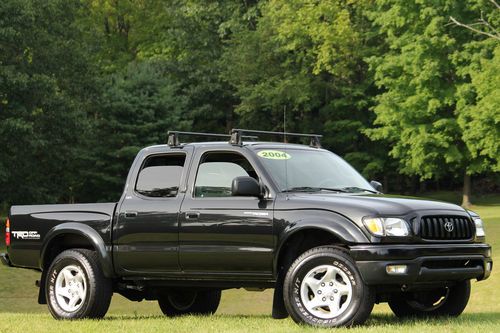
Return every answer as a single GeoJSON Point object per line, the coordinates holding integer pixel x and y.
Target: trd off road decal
{"type": "Point", "coordinates": [274, 155]}
{"type": "Point", "coordinates": [26, 234]}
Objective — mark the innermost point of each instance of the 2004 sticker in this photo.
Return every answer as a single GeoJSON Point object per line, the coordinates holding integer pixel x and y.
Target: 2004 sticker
{"type": "Point", "coordinates": [274, 154]}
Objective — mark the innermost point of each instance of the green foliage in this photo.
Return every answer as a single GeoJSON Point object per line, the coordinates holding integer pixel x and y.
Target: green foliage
{"type": "Point", "coordinates": [189, 37]}
{"type": "Point", "coordinates": [46, 92]}
{"type": "Point", "coordinates": [395, 88]}
{"type": "Point", "coordinates": [305, 59]}
{"type": "Point", "coordinates": [138, 107]}
{"type": "Point", "coordinates": [478, 111]}
{"type": "Point", "coordinates": [423, 112]}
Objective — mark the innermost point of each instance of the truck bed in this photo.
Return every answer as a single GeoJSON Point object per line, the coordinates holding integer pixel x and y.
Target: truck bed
{"type": "Point", "coordinates": [31, 225]}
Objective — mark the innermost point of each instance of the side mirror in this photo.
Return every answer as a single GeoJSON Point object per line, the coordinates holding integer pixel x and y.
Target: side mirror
{"type": "Point", "coordinates": [246, 187]}
{"type": "Point", "coordinates": [376, 185]}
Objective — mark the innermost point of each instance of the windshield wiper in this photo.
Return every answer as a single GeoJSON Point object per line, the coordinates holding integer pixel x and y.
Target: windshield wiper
{"type": "Point", "coordinates": [312, 189]}
{"type": "Point", "coordinates": [332, 189]}
{"type": "Point", "coordinates": [302, 189]}
{"type": "Point", "coordinates": [351, 188]}
{"type": "Point", "coordinates": [347, 189]}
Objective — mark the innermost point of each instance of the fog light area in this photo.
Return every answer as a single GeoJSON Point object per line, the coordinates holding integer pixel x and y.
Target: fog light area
{"type": "Point", "coordinates": [396, 269]}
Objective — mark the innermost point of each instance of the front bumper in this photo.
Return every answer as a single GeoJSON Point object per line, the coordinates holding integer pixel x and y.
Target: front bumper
{"type": "Point", "coordinates": [425, 263]}
{"type": "Point", "coordinates": [4, 258]}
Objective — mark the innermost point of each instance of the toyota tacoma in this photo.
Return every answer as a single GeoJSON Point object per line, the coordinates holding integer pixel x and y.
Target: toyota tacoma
{"type": "Point", "coordinates": [198, 218]}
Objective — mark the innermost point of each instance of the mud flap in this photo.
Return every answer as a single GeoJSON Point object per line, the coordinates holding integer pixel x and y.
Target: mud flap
{"type": "Point", "coordinates": [279, 309]}
{"type": "Point", "coordinates": [41, 293]}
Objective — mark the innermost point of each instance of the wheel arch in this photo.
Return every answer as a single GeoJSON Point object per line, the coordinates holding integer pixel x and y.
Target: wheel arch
{"type": "Point", "coordinates": [316, 232]}
{"type": "Point", "coordinates": [75, 235]}
{"type": "Point", "coordinates": [69, 236]}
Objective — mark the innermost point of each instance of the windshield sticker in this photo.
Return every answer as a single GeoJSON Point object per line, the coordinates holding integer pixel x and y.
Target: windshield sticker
{"type": "Point", "coordinates": [274, 155]}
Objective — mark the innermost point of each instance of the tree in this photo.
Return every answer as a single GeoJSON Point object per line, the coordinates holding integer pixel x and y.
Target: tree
{"type": "Point", "coordinates": [479, 97]}
{"type": "Point", "coordinates": [190, 36]}
{"type": "Point", "coordinates": [305, 59]}
{"type": "Point", "coordinates": [138, 107]}
{"type": "Point", "coordinates": [418, 111]}
{"type": "Point", "coordinates": [46, 92]}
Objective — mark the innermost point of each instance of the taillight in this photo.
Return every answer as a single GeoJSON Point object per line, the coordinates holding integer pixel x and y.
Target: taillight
{"type": "Point", "coordinates": [7, 232]}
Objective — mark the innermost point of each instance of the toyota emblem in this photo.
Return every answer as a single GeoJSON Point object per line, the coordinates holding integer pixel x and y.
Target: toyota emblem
{"type": "Point", "coordinates": [448, 226]}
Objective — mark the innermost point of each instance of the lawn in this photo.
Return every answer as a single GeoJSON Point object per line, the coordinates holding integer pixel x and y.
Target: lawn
{"type": "Point", "coordinates": [242, 311]}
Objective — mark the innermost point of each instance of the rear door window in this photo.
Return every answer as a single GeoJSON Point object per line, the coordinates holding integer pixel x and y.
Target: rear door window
{"type": "Point", "coordinates": [160, 175]}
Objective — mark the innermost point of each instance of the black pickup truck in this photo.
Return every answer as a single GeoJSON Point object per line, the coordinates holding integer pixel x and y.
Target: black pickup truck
{"type": "Point", "coordinates": [198, 218]}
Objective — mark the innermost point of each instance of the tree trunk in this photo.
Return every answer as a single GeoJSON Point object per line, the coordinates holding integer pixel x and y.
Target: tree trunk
{"type": "Point", "coordinates": [423, 186]}
{"type": "Point", "coordinates": [466, 191]}
{"type": "Point", "coordinates": [229, 120]}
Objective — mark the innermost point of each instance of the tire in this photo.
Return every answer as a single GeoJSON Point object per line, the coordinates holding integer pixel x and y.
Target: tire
{"type": "Point", "coordinates": [75, 276]}
{"type": "Point", "coordinates": [449, 301]}
{"type": "Point", "coordinates": [186, 302]}
{"type": "Point", "coordinates": [331, 274]}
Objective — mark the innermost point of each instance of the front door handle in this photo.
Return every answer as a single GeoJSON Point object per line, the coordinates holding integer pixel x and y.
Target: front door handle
{"type": "Point", "coordinates": [192, 215]}
{"type": "Point", "coordinates": [130, 214]}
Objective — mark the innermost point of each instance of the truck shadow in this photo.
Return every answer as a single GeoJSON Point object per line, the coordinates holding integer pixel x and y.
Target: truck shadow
{"type": "Point", "coordinates": [373, 321]}
{"type": "Point", "coordinates": [470, 318]}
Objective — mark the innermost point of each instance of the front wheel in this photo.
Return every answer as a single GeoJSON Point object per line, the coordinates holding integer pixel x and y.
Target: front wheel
{"type": "Point", "coordinates": [185, 302]}
{"type": "Point", "coordinates": [323, 288]}
{"type": "Point", "coordinates": [446, 301]}
{"type": "Point", "coordinates": [76, 287]}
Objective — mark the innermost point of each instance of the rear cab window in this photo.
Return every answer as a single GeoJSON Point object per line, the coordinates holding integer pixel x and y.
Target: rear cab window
{"type": "Point", "coordinates": [160, 175]}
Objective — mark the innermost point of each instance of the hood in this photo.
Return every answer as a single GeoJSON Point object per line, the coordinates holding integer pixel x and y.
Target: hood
{"type": "Point", "coordinates": [356, 206]}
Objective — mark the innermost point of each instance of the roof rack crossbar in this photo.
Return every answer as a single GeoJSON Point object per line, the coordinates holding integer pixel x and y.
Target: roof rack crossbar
{"type": "Point", "coordinates": [237, 136]}
{"type": "Point", "coordinates": [173, 136]}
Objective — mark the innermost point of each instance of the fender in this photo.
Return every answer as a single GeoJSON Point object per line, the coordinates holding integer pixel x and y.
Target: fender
{"type": "Point", "coordinates": [90, 234]}
{"type": "Point", "coordinates": [335, 224]}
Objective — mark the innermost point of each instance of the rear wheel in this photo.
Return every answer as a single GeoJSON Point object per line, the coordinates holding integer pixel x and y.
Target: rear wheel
{"type": "Point", "coordinates": [76, 287]}
{"type": "Point", "coordinates": [447, 301]}
{"type": "Point", "coordinates": [185, 302]}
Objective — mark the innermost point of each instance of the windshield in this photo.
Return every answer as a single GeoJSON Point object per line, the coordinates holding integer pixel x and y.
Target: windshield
{"type": "Point", "coordinates": [310, 170]}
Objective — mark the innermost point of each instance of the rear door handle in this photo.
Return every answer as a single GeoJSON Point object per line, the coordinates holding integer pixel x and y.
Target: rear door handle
{"type": "Point", "coordinates": [130, 214]}
{"type": "Point", "coordinates": [192, 215]}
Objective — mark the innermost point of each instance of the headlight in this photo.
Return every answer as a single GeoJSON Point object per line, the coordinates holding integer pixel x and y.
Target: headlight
{"type": "Point", "coordinates": [386, 226]}
{"type": "Point", "coordinates": [479, 227]}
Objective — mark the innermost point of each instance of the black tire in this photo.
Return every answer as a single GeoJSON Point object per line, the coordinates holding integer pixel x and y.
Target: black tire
{"type": "Point", "coordinates": [449, 301]}
{"type": "Point", "coordinates": [186, 302]}
{"type": "Point", "coordinates": [98, 289]}
{"type": "Point", "coordinates": [355, 311]}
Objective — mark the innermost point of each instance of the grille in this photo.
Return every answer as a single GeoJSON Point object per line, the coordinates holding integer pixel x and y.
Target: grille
{"type": "Point", "coordinates": [446, 227]}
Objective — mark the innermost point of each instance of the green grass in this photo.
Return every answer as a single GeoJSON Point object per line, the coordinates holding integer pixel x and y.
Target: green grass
{"type": "Point", "coordinates": [239, 323]}
{"type": "Point", "coordinates": [242, 311]}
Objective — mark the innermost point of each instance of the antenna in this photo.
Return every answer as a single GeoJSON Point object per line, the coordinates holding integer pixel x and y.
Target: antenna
{"type": "Point", "coordinates": [285, 140]}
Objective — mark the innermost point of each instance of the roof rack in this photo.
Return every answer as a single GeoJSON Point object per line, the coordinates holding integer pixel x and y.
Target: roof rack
{"type": "Point", "coordinates": [173, 136]}
{"type": "Point", "coordinates": [237, 135]}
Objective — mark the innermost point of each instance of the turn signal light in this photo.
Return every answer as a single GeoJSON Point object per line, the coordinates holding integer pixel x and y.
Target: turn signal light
{"type": "Point", "coordinates": [7, 232]}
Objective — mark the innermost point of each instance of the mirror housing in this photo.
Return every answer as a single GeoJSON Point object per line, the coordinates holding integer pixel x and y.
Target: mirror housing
{"type": "Point", "coordinates": [376, 185]}
{"type": "Point", "coordinates": [245, 186]}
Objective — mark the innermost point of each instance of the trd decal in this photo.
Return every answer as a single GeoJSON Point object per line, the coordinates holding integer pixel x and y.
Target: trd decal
{"type": "Point", "coordinates": [26, 234]}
